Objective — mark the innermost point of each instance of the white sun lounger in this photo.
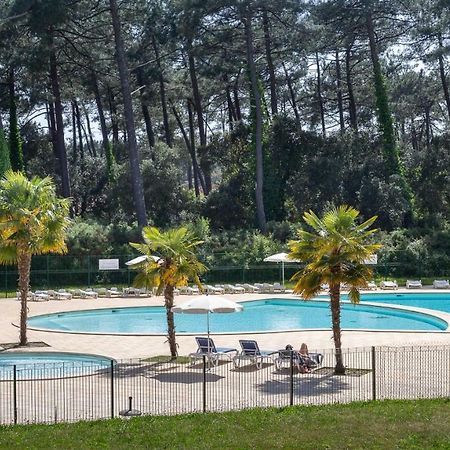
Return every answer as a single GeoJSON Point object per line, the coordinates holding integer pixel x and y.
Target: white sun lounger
{"type": "Point", "coordinates": [213, 289]}
{"type": "Point", "coordinates": [441, 284]}
{"type": "Point", "coordinates": [413, 284]}
{"type": "Point", "coordinates": [388, 285]}
{"type": "Point", "coordinates": [229, 288]}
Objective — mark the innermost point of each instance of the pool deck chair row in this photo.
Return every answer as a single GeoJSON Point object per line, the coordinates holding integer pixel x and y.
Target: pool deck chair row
{"type": "Point", "coordinates": [250, 352]}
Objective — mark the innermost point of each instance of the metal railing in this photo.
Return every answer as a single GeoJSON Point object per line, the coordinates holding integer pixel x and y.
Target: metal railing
{"type": "Point", "coordinates": [53, 394]}
{"type": "Point", "coordinates": [56, 271]}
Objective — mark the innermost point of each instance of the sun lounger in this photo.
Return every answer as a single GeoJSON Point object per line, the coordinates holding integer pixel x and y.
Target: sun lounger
{"type": "Point", "coordinates": [80, 293]}
{"type": "Point", "coordinates": [39, 296]}
{"type": "Point", "coordinates": [101, 292]}
{"type": "Point", "coordinates": [283, 360]}
{"type": "Point", "coordinates": [231, 289]}
{"type": "Point", "coordinates": [388, 285]}
{"type": "Point", "coordinates": [269, 288]}
{"type": "Point", "coordinates": [207, 348]}
{"type": "Point", "coordinates": [114, 292]}
{"type": "Point", "coordinates": [413, 284]}
{"type": "Point", "coordinates": [250, 352]}
{"type": "Point", "coordinates": [63, 295]}
{"type": "Point", "coordinates": [213, 289]}
{"type": "Point", "coordinates": [372, 285]}
{"type": "Point", "coordinates": [279, 288]}
{"type": "Point", "coordinates": [441, 284]}
{"type": "Point", "coordinates": [249, 287]}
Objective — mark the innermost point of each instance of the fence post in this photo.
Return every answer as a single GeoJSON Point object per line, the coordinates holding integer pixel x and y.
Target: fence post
{"type": "Point", "coordinates": [204, 384]}
{"type": "Point", "coordinates": [15, 393]}
{"type": "Point", "coordinates": [89, 270]}
{"type": "Point", "coordinates": [374, 379]}
{"type": "Point", "coordinates": [291, 379]}
{"type": "Point", "coordinates": [112, 389]}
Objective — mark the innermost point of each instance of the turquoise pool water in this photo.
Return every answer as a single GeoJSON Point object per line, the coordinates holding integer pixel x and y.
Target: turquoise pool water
{"type": "Point", "coordinates": [438, 301]}
{"type": "Point", "coordinates": [44, 365]}
{"type": "Point", "coordinates": [260, 315]}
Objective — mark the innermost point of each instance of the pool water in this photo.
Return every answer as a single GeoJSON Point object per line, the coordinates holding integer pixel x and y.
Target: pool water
{"type": "Point", "coordinates": [260, 315]}
{"type": "Point", "coordinates": [438, 301]}
{"type": "Point", "coordinates": [45, 365]}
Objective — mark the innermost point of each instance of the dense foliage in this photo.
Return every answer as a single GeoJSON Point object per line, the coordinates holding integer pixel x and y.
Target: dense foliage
{"type": "Point", "coordinates": [241, 113]}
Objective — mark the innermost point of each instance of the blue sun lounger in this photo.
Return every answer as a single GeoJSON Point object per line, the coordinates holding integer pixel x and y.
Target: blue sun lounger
{"type": "Point", "coordinates": [207, 348]}
{"type": "Point", "coordinates": [250, 352]}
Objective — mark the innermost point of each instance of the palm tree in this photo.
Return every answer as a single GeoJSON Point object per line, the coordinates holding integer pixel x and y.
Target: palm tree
{"type": "Point", "coordinates": [33, 221]}
{"type": "Point", "coordinates": [175, 265]}
{"type": "Point", "coordinates": [334, 253]}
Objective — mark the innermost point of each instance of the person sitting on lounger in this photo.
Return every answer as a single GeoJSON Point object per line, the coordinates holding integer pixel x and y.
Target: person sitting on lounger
{"type": "Point", "coordinates": [298, 360]}
{"type": "Point", "coordinates": [304, 353]}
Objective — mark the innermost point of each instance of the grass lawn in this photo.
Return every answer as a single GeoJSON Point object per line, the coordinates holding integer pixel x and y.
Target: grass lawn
{"type": "Point", "coordinates": [423, 424]}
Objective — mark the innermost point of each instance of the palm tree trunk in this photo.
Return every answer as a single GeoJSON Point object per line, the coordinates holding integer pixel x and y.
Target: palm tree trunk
{"type": "Point", "coordinates": [168, 297]}
{"type": "Point", "coordinates": [23, 266]}
{"type": "Point", "coordinates": [335, 305]}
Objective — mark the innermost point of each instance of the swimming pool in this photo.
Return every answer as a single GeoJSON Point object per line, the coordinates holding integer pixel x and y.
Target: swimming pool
{"type": "Point", "coordinates": [45, 365]}
{"type": "Point", "coordinates": [437, 301]}
{"type": "Point", "coordinates": [273, 315]}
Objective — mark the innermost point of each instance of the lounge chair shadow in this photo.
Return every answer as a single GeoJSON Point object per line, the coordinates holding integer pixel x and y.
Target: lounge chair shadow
{"type": "Point", "coordinates": [306, 385]}
{"type": "Point", "coordinates": [186, 377]}
{"type": "Point", "coordinates": [129, 370]}
{"type": "Point", "coordinates": [250, 368]}
{"type": "Point", "coordinates": [199, 365]}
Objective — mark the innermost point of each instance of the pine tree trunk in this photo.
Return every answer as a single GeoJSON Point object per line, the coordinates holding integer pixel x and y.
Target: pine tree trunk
{"type": "Point", "coordinates": [162, 93]}
{"type": "Point", "coordinates": [191, 149]}
{"type": "Point", "coordinates": [89, 130]}
{"type": "Point", "coordinates": [52, 129]}
{"type": "Point", "coordinates": [339, 93]}
{"type": "Point", "coordinates": [59, 119]}
{"type": "Point", "coordinates": [15, 144]}
{"type": "Point", "coordinates": [292, 95]}
{"type": "Point", "coordinates": [23, 266]}
{"type": "Point", "coordinates": [335, 298]}
{"type": "Point", "coordinates": [101, 113]}
{"type": "Point", "coordinates": [80, 134]}
{"type": "Point", "coordinates": [74, 134]}
{"type": "Point", "coordinates": [113, 116]}
{"type": "Point", "coordinates": [237, 103]}
{"type": "Point", "coordinates": [270, 65]}
{"type": "Point", "coordinates": [442, 74]}
{"type": "Point", "coordinates": [199, 111]}
{"type": "Point", "coordinates": [171, 337]}
{"type": "Point", "coordinates": [136, 177]}
{"type": "Point", "coordinates": [258, 122]}
{"type": "Point", "coordinates": [145, 110]}
{"type": "Point", "coordinates": [351, 95]}
{"type": "Point", "coordinates": [319, 96]}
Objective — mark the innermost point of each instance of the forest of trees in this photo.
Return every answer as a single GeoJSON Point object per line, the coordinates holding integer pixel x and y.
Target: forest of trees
{"type": "Point", "coordinates": [241, 113]}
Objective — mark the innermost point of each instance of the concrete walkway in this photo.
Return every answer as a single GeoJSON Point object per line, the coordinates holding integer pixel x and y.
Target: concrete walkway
{"type": "Point", "coordinates": [125, 347]}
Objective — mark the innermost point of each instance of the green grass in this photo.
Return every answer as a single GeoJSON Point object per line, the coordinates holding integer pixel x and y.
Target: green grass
{"type": "Point", "coordinates": [423, 424]}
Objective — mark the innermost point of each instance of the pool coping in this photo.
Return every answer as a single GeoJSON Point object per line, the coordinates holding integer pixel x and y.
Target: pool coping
{"type": "Point", "coordinates": [441, 315]}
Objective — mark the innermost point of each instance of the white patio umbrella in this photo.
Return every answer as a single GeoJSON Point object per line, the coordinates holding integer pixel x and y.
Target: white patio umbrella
{"type": "Point", "coordinates": [142, 258]}
{"type": "Point", "coordinates": [280, 258]}
{"type": "Point", "coordinates": [207, 304]}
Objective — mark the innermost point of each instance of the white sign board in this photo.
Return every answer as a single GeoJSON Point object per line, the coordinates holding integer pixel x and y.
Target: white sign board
{"type": "Point", "coordinates": [108, 264]}
{"type": "Point", "coordinates": [372, 260]}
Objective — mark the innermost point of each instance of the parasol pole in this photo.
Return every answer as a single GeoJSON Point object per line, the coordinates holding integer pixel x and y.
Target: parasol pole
{"type": "Point", "coordinates": [282, 273]}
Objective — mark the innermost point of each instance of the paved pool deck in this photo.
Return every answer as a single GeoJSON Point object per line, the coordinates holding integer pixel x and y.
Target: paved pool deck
{"type": "Point", "coordinates": [126, 347]}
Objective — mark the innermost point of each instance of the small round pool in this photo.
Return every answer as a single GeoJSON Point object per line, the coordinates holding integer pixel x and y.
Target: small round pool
{"type": "Point", "coordinates": [270, 315]}
{"type": "Point", "coordinates": [46, 365]}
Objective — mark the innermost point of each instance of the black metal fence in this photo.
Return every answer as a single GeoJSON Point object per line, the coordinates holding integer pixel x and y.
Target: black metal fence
{"type": "Point", "coordinates": [54, 271]}
{"type": "Point", "coordinates": [52, 394]}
